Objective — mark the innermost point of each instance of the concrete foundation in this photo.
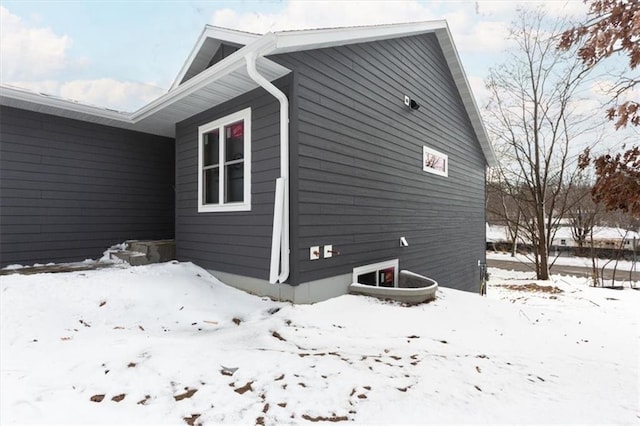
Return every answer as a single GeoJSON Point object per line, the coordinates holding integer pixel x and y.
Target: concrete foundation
{"type": "Point", "coordinates": [309, 292]}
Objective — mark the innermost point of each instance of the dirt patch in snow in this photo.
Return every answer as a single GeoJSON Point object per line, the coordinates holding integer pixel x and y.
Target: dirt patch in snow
{"type": "Point", "coordinates": [532, 288]}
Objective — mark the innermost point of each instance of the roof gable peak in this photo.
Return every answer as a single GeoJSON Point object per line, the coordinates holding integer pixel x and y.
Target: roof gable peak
{"type": "Point", "coordinates": [211, 42]}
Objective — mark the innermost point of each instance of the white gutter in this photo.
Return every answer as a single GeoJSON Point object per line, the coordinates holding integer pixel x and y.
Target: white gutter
{"type": "Point", "coordinates": [279, 268]}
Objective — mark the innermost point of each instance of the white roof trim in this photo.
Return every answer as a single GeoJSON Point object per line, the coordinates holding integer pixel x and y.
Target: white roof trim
{"type": "Point", "coordinates": [28, 96]}
{"type": "Point", "coordinates": [291, 41]}
{"type": "Point", "coordinates": [269, 44]}
{"type": "Point", "coordinates": [210, 32]}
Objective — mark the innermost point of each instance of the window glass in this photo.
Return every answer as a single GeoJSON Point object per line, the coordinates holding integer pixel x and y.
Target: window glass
{"type": "Point", "coordinates": [386, 277]}
{"type": "Point", "coordinates": [368, 279]}
{"type": "Point", "coordinates": [234, 178]}
{"type": "Point", "coordinates": [211, 186]}
{"type": "Point", "coordinates": [234, 141]}
{"type": "Point", "coordinates": [210, 148]}
{"type": "Point", "coordinates": [435, 162]}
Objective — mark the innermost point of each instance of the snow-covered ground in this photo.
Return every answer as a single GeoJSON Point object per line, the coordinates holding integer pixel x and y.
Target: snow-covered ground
{"type": "Point", "coordinates": [169, 344]}
{"type": "Point", "coordinates": [496, 233]}
{"type": "Point", "coordinates": [621, 265]}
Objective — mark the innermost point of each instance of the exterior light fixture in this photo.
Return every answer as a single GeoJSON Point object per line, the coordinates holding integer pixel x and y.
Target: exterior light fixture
{"type": "Point", "coordinates": [411, 103]}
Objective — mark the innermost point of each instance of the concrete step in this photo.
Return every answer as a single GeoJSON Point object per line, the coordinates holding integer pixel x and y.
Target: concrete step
{"type": "Point", "coordinates": [144, 252]}
{"type": "Point", "coordinates": [133, 258]}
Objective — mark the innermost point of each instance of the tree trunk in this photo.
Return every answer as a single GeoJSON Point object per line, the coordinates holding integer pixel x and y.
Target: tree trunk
{"type": "Point", "coordinates": [543, 250]}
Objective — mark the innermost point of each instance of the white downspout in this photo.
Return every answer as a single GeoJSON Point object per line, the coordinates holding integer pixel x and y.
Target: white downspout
{"type": "Point", "coordinates": [279, 268]}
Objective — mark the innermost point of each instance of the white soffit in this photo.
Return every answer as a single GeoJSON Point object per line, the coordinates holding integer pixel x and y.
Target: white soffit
{"type": "Point", "coordinates": [208, 89]}
{"type": "Point", "coordinates": [220, 83]}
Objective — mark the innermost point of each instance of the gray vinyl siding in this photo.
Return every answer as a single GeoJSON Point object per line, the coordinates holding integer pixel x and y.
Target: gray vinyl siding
{"type": "Point", "coordinates": [360, 184]}
{"type": "Point", "coordinates": [232, 242]}
{"type": "Point", "coordinates": [71, 189]}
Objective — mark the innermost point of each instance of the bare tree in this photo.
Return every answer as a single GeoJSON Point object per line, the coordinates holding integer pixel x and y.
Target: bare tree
{"type": "Point", "coordinates": [533, 120]}
{"type": "Point", "coordinates": [502, 208]}
{"type": "Point", "coordinates": [583, 214]}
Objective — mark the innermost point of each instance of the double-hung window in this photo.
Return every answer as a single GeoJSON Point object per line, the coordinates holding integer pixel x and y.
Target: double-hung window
{"type": "Point", "coordinates": [224, 164]}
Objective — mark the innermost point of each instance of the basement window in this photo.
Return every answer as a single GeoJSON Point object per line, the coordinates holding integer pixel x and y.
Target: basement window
{"type": "Point", "coordinates": [224, 164]}
{"type": "Point", "coordinates": [435, 162]}
{"type": "Point", "coordinates": [382, 274]}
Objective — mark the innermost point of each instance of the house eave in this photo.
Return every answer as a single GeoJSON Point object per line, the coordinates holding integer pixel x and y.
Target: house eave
{"type": "Point", "coordinates": [220, 83]}
{"type": "Point", "coordinates": [39, 102]}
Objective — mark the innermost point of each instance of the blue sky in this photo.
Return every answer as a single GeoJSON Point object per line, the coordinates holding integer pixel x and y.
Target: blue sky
{"type": "Point", "coordinates": [123, 54]}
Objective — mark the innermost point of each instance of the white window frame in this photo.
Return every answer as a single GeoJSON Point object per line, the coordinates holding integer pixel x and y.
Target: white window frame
{"type": "Point", "coordinates": [219, 124]}
{"type": "Point", "coordinates": [429, 151]}
{"type": "Point", "coordinates": [375, 267]}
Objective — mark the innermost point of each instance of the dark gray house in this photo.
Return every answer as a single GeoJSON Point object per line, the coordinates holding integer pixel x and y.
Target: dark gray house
{"type": "Point", "coordinates": [281, 162]}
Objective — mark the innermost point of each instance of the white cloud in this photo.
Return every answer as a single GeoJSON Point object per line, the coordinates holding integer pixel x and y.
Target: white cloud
{"type": "Point", "coordinates": [321, 14]}
{"type": "Point", "coordinates": [470, 31]}
{"type": "Point", "coordinates": [608, 88]}
{"type": "Point", "coordinates": [32, 57]}
{"type": "Point", "coordinates": [104, 93]}
{"type": "Point", "coordinates": [505, 9]}
{"type": "Point", "coordinates": [27, 52]}
{"type": "Point", "coordinates": [477, 36]}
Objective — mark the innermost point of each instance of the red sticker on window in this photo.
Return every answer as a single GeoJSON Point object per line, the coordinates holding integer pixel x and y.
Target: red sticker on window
{"type": "Point", "coordinates": [237, 130]}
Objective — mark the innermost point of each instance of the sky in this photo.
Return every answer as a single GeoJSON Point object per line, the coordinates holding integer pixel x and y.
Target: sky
{"type": "Point", "coordinates": [123, 54]}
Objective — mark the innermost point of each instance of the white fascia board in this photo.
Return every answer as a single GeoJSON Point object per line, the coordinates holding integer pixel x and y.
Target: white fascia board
{"type": "Point", "coordinates": [8, 93]}
{"type": "Point", "coordinates": [291, 41]}
{"type": "Point", "coordinates": [455, 66]}
{"type": "Point", "coordinates": [218, 33]}
{"type": "Point", "coordinates": [230, 36]}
